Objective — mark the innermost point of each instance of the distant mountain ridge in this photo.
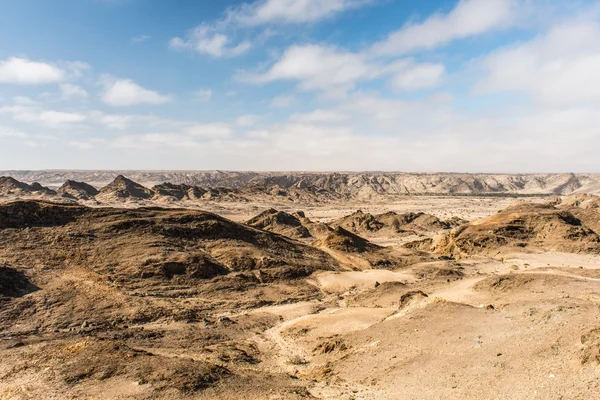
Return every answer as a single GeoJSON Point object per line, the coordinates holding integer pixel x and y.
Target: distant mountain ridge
{"type": "Point", "coordinates": [360, 185]}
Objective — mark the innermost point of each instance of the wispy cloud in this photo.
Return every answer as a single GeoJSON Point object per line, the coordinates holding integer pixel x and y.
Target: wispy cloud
{"type": "Point", "coordinates": [139, 39]}
{"type": "Point", "coordinates": [203, 95]}
{"type": "Point", "coordinates": [69, 91]}
{"type": "Point", "coordinates": [208, 40]}
{"type": "Point", "coordinates": [468, 18]}
{"type": "Point", "coordinates": [559, 67]}
{"type": "Point", "coordinates": [333, 70]}
{"type": "Point", "coordinates": [217, 38]}
{"type": "Point", "coordinates": [290, 11]}
{"type": "Point", "coordinates": [125, 92]}
{"type": "Point", "coordinates": [282, 101]}
{"type": "Point", "coordinates": [42, 117]}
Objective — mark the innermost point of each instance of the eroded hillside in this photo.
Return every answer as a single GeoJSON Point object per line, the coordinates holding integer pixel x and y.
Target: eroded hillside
{"type": "Point", "coordinates": [174, 303]}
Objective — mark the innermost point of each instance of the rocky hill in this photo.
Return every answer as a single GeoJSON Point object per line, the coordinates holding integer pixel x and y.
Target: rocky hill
{"type": "Point", "coordinates": [354, 184]}
{"type": "Point", "coordinates": [77, 190]}
{"type": "Point", "coordinates": [179, 192]}
{"type": "Point", "coordinates": [10, 187]}
{"type": "Point", "coordinates": [280, 222]}
{"type": "Point", "coordinates": [150, 243]}
{"type": "Point", "coordinates": [392, 223]}
{"type": "Point", "coordinates": [122, 189]}
{"type": "Point", "coordinates": [526, 225]}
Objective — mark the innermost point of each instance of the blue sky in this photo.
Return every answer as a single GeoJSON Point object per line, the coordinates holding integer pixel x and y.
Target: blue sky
{"type": "Point", "coordinates": [404, 85]}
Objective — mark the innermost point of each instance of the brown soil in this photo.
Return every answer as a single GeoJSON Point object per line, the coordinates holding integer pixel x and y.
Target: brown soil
{"type": "Point", "coordinates": [171, 303]}
{"type": "Point", "coordinates": [524, 226]}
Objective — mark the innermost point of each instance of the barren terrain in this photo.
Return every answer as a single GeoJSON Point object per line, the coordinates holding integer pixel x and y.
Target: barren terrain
{"type": "Point", "coordinates": [125, 291]}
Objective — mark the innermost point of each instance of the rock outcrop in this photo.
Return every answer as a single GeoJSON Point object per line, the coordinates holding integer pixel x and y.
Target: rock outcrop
{"type": "Point", "coordinates": [77, 190]}
{"type": "Point", "coordinates": [124, 189]}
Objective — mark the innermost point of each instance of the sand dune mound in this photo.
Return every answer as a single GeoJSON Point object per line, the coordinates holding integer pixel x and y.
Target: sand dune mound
{"type": "Point", "coordinates": [530, 284]}
{"type": "Point", "coordinates": [540, 226]}
{"type": "Point", "coordinates": [444, 271]}
{"type": "Point", "coordinates": [504, 283]}
{"type": "Point", "coordinates": [295, 225]}
{"type": "Point", "coordinates": [355, 252]}
{"type": "Point", "coordinates": [11, 187]}
{"type": "Point", "coordinates": [588, 216]}
{"type": "Point", "coordinates": [318, 230]}
{"type": "Point", "coordinates": [392, 223]}
{"type": "Point", "coordinates": [412, 222]}
{"type": "Point", "coordinates": [225, 194]}
{"type": "Point", "coordinates": [385, 294]}
{"type": "Point", "coordinates": [411, 297]}
{"type": "Point", "coordinates": [585, 201]}
{"type": "Point", "coordinates": [455, 221]}
{"type": "Point", "coordinates": [280, 222]}
{"type": "Point", "coordinates": [77, 190]}
{"type": "Point", "coordinates": [178, 192]}
{"type": "Point", "coordinates": [342, 240]}
{"type": "Point", "coordinates": [124, 189]}
{"type": "Point", "coordinates": [358, 222]}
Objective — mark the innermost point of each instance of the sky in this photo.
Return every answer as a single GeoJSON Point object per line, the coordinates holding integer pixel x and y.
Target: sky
{"type": "Point", "coordinates": [331, 85]}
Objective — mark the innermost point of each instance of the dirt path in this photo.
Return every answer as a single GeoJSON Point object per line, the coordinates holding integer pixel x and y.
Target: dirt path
{"type": "Point", "coordinates": [288, 346]}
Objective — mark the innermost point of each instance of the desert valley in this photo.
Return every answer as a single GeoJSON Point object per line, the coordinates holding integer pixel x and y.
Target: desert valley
{"type": "Point", "coordinates": [224, 285]}
{"type": "Point", "coordinates": [299, 199]}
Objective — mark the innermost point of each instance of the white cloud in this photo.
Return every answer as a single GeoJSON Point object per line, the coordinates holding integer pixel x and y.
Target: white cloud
{"type": "Point", "coordinates": [45, 118]}
{"type": "Point", "coordinates": [468, 18]}
{"type": "Point", "coordinates": [203, 95]}
{"type": "Point", "coordinates": [258, 134]}
{"type": "Point", "coordinates": [210, 131]}
{"type": "Point", "coordinates": [134, 121]}
{"type": "Point", "coordinates": [418, 76]}
{"type": "Point", "coordinates": [282, 101]}
{"type": "Point", "coordinates": [196, 136]}
{"type": "Point", "coordinates": [139, 39]}
{"type": "Point", "coordinates": [247, 120]}
{"type": "Point", "coordinates": [75, 69]}
{"type": "Point", "coordinates": [26, 72]}
{"type": "Point", "coordinates": [163, 141]}
{"type": "Point", "coordinates": [335, 71]}
{"type": "Point", "coordinates": [59, 118]}
{"type": "Point", "coordinates": [24, 101]}
{"type": "Point", "coordinates": [87, 144]}
{"type": "Point", "coordinates": [205, 39]}
{"type": "Point", "coordinates": [6, 132]}
{"type": "Point", "coordinates": [68, 91]}
{"type": "Point", "coordinates": [315, 67]}
{"type": "Point", "coordinates": [216, 39]}
{"type": "Point", "coordinates": [424, 135]}
{"type": "Point", "coordinates": [560, 67]}
{"type": "Point", "coordinates": [81, 145]}
{"type": "Point", "coordinates": [557, 131]}
{"type": "Point", "coordinates": [290, 11]}
{"type": "Point", "coordinates": [125, 92]}
{"type": "Point", "coordinates": [114, 121]}
{"type": "Point", "coordinates": [320, 115]}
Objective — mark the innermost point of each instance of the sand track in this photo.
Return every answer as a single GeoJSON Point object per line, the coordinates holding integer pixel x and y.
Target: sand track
{"type": "Point", "coordinates": [301, 328]}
